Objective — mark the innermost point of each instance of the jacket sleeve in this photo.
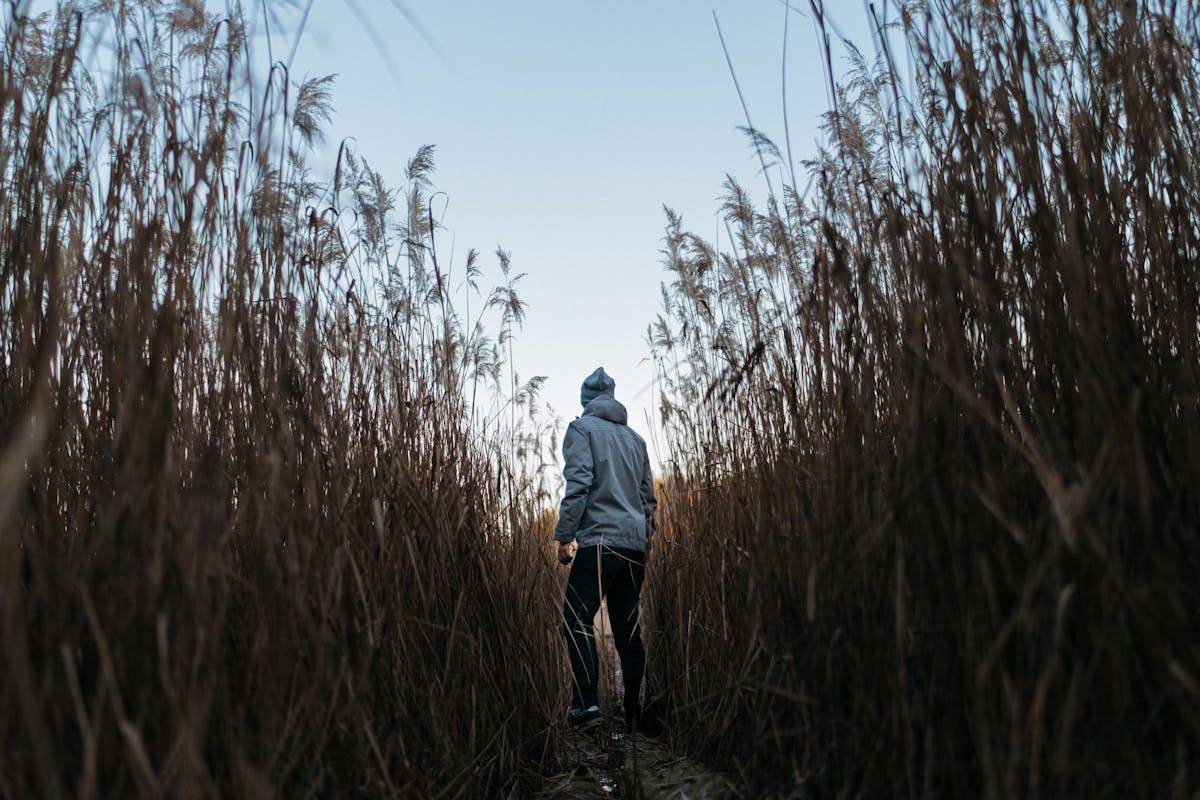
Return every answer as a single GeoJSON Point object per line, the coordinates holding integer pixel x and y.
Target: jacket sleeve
{"type": "Point", "coordinates": [577, 471]}
{"type": "Point", "coordinates": [649, 502]}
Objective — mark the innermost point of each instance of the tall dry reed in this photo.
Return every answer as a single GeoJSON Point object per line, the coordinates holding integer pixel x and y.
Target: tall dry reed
{"type": "Point", "coordinates": [931, 523]}
{"type": "Point", "coordinates": [267, 506]}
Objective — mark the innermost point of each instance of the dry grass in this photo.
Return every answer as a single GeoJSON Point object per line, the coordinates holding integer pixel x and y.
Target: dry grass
{"type": "Point", "coordinates": [267, 502]}
{"type": "Point", "coordinates": [931, 528]}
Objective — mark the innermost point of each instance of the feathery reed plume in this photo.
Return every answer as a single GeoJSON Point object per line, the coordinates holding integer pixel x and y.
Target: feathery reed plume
{"type": "Point", "coordinates": [254, 538]}
{"type": "Point", "coordinates": [932, 526]}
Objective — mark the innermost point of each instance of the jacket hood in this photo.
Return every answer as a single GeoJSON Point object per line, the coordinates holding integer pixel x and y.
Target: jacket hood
{"type": "Point", "coordinates": [596, 384]}
{"type": "Point", "coordinates": [606, 407]}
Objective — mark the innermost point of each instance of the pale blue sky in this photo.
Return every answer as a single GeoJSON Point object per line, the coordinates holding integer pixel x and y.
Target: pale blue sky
{"type": "Point", "coordinates": [562, 127]}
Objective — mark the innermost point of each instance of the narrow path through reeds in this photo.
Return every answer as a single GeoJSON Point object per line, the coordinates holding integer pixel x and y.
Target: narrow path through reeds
{"type": "Point", "coordinates": [643, 767]}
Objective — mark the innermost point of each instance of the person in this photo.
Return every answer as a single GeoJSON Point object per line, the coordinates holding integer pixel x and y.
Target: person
{"type": "Point", "coordinates": [607, 511]}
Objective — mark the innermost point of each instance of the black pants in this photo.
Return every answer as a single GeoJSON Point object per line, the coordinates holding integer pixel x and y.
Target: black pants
{"type": "Point", "coordinates": [615, 573]}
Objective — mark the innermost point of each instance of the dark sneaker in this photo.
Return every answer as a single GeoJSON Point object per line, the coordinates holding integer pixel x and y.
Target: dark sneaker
{"type": "Point", "coordinates": [632, 724]}
{"type": "Point", "coordinates": [581, 719]}
{"type": "Point", "coordinates": [643, 724]}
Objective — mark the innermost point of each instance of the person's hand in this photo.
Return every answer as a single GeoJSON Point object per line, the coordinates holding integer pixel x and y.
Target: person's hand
{"type": "Point", "coordinates": [566, 552]}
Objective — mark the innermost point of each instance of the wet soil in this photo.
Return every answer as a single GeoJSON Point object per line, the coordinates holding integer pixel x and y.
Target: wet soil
{"type": "Point", "coordinates": [605, 765]}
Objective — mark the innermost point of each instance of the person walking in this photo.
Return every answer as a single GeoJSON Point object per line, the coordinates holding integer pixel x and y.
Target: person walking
{"type": "Point", "coordinates": [607, 511]}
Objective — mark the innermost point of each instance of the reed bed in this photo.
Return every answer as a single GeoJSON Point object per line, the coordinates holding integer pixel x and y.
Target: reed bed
{"type": "Point", "coordinates": [268, 495]}
{"type": "Point", "coordinates": [929, 525]}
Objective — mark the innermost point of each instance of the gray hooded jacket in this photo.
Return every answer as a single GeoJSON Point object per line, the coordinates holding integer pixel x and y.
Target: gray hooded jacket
{"type": "Point", "coordinates": [609, 495]}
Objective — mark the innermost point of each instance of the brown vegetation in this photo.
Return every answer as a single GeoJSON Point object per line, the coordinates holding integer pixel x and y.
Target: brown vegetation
{"type": "Point", "coordinates": [265, 507]}
{"type": "Point", "coordinates": [931, 527]}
